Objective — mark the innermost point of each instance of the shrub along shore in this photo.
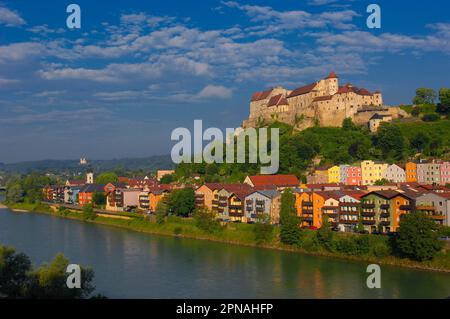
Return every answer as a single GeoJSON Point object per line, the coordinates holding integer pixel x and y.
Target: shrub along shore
{"type": "Point", "coordinates": [355, 247]}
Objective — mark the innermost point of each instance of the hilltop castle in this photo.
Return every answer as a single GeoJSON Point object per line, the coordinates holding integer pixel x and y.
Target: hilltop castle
{"type": "Point", "coordinates": [323, 102]}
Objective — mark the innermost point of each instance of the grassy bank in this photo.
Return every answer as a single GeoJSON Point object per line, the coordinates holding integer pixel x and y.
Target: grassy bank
{"type": "Point", "coordinates": [244, 234]}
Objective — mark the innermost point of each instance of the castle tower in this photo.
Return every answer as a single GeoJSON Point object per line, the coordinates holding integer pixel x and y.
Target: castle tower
{"type": "Point", "coordinates": [90, 178]}
{"type": "Point", "coordinates": [332, 83]}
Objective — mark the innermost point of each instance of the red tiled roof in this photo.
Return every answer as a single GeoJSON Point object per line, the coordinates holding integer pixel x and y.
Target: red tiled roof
{"type": "Point", "coordinates": [76, 182]}
{"type": "Point", "coordinates": [277, 180]}
{"type": "Point", "coordinates": [277, 100]}
{"type": "Point", "coordinates": [303, 90]}
{"type": "Point", "coordinates": [258, 96]}
{"type": "Point", "coordinates": [322, 98]}
{"type": "Point", "coordinates": [332, 75]}
{"type": "Point", "coordinates": [364, 92]}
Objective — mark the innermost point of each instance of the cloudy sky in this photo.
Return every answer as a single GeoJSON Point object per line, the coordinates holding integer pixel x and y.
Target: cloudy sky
{"type": "Point", "coordinates": [138, 69]}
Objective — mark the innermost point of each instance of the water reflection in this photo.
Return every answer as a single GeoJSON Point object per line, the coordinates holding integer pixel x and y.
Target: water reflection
{"type": "Point", "coordinates": [129, 264]}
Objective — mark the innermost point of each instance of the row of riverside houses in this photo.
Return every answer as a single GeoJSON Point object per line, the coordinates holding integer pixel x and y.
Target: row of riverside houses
{"type": "Point", "coordinates": [139, 193]}
{"type": "Point", "coordinates": [369, 172]}
{"type": "Point", "coordinates": [257, 199]}
{"type": "Point", "coordinates": [378, 209]}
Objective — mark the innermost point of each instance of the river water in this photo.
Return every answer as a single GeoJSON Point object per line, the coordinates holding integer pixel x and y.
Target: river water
{"type": "Point", "coordinates": [134, 265]}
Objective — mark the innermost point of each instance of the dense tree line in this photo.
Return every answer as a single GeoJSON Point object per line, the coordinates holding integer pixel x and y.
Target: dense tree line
{"type": "Point", "coordinates": [19, 279]}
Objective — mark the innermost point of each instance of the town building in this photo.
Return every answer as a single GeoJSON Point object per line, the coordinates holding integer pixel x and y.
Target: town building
{"type": "Point", "coordinates": [445, 173]}
{"type": "Point", "coordinates": [411, 172]}
{"type": "Point", "coordinates": [429, 172]}
{"type": "Point", "coordinates": [163, 172]}
{"type": "Point", "coordinates": [86, 193]}
{"type": "Point", "coordinates": [372, 172]}
{"type": "Point", "coordinates": [381, 211]}
{"type": "Point", "coordinates": [334, 174]}
{"type": "Point", "coordinates": [354, 176]}
{"type": "Point", "coordinates": [395, 174]}
{"type": "Point", "coordinates": [204, 195]}
{"type": "Point", "coordinates": [263, 206]}
{"type": "Point", "coordinates": [436, 206]}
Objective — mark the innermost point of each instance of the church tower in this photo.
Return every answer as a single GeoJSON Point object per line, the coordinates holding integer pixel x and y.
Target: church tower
{"type": "Point", "coordinates": [90, 178]}
{"type": "Point", "coordinates": [332, 83]}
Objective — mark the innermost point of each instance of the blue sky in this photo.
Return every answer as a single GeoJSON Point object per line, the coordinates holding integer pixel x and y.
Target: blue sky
{"type": "Point", "coordinates": [138, 69]}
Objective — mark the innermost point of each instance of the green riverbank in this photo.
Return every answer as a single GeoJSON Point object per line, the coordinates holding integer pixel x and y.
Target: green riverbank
{"type": "Point", "coordinates": [244, 234]}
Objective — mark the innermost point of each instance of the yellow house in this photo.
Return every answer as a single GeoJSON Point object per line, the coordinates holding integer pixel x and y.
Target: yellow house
{"type": "Point", "coordinates": [372, 172]}
{"type": "Point", "coordinates": [334, 174]}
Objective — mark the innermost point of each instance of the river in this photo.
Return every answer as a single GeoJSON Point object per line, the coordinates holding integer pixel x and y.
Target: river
{"type": "Point", "coordinates": [128, 264]}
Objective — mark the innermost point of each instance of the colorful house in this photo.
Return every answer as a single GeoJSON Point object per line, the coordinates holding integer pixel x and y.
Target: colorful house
{"type": "Point", "coordinates": [343, 174]}
{"type": "Point", "coordinates": [354, 176]}
{"type": "Point", "coordinates": [305, 208]}
{"type": "Point", "coordinates": [334, 174]}
{"type": "Point", "coordinates": [349, 211]}
{"type": "Point", "coordinates": [395, 174]}
{"type": "Point", "coordinates": [372, 172]}
{"type": "Point", "coordinates": [204, 195]}
{"type": "Point", "coordinates": [156, 194]}
{"type": "Point", "coordinates": [445, 173]}
{"type": "Point", "coordinates": [262, 206]}
{"type": "Point", "coordinates": [429, 172]}
{"type": "Point", "coordinates": [411, 172]}
{"type": "Point", "coordinates": [381, 211]}
{"type": "Point", "coordinates": [436, 206]}
{"type": "Point", "coordinates": [86, 192]}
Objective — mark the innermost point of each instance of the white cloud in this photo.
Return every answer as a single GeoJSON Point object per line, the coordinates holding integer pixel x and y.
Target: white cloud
{"type": "Point", "coordinates": [215, 91]}
{"type": "Point", "coordinates": [4, 81]}
{"type": "Point", "coordinates": [10, 18]}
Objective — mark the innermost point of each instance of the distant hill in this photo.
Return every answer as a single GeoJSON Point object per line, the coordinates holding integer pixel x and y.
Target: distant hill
{"type": "Point", "coordinates": [145, 163]}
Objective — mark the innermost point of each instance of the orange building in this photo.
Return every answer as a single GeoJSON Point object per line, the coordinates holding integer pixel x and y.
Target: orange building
{"type": "Point", "coordinates": [309, 208]}
{"type": "Point", "coordinates": [155, 195]}
{"type": "Point", "coordinates": [411, 172]}
{"type": "Point", "coordinates": [204, 195]}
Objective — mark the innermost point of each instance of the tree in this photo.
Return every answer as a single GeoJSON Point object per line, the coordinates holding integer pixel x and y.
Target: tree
{"type": "Point", "coordinates": [420, 141]}
{"type": "Point", "coordinates": [18, 279]}
{"type": "Point", "coordinates": [108, 177]}
{"type": "Point", "coordinates": [324, 234]}
{"type": "Point", "coordinates": [14, 269]}
{"type": "Point", "coordinates": [389, 139]}
{"type": "Point", "coordinates": [99, 198]}
{"type": "Point", "coordinates": [14, 193]}
{"type": "Point", "coordinates": [161, 211]}
{"type": "Point", "coordinates": [418, 237]}
{"type": "Point", "coordinates": [415, 111]}
{"type": "Point", "coordinates": [444, 101]}
{"type": "Point", "coordinates": [290, 229]}
{"type": "Point", "coordinates": [49, 281]}
{"type": "Point", "coordinates": [348, 125]}
{"type": "Point", "coordinates": [424, 96]}
{"type": "Point", "coordinates": [381, 182]}
{"type": "Point", "coordinates": [167, 179]}
{"type": "Point", "coordinates": [88, 212]}
{"type": "Point", "coordinates": [181, 202]}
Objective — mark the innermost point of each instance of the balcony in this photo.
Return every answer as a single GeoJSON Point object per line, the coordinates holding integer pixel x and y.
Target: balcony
{"type": "Point", "coordinates": [222, 204]}
{"type": "Point", "coordinates": [406, 207]}
{"type": "Point", "coordinates": [385, 214]}
{"type": "Point", "coordinates": [368, 214]}
{"type": "Point", "coordinates": [348, 221]}
{"type": "Point", "coordinates": [368, 222]}
{"type": "Point", "coordinates": [426, 207]}
{"type": "Point", "coordinates": [385, 206]}
{"type": "Point", "coordinates": [385, 223]}
{"type": "Point", "coordinates": [235, 207]}
{"type": "Point", "coordinates": [369, 206]}
{"type": "Point", "coordinates": [236, 214]}
{"type": "Point", "coordinates": [307, 203]}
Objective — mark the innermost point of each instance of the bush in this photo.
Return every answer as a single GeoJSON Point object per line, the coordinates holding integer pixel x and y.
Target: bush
{"type": "Point", "coordinates": [178, 230]}
{"type": "Point", "coordinates": [324, 235]}
{"type": "Point", "coordinates": [206, 221]}
{"type": "Point", "coordinates": [263, 233]}
{"type": "Point", "coordinates": [432, 117]}
{"type": "Point", "coordinates": [88, 212]}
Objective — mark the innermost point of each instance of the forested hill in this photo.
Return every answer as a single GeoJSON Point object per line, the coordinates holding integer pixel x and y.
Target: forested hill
{"type": "Point", "coordinates": [145, 164]}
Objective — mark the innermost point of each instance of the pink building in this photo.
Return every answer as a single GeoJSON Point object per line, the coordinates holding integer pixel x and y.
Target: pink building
{"type": "Point", "coordinates": [445, 173]}
{"type": "Point", "coordinates": [354, 176]}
